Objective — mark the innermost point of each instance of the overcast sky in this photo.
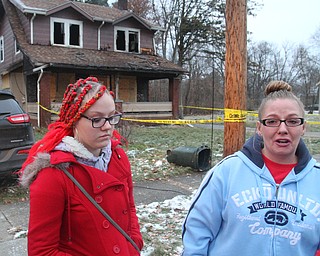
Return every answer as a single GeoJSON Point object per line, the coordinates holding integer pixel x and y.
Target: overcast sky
{"type": "Point", "coordinates": [281, 21]}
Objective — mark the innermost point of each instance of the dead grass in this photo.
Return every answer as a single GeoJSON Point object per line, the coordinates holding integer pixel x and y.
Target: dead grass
{"type": "Point", "coordinates": [147, 149]}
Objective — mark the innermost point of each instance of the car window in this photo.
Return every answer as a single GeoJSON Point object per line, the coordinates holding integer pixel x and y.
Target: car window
{"type": "Point", "coordinates": [9, 106]}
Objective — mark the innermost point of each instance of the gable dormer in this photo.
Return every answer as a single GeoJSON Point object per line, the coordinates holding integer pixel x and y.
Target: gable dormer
{"type": "Point", "coordinates": [81, 25]}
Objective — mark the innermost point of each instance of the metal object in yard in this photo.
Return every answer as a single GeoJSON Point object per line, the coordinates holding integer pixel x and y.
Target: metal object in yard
{"type": "Point", "coordinates": [195, 157]}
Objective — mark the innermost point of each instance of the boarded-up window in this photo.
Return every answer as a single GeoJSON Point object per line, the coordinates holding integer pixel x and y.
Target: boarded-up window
{"type": "Point", "coordinates": [128, 89]}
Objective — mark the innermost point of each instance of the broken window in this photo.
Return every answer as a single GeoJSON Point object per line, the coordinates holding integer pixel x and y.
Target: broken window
{"type": "Point", "coordinates": [66, 32]}
{"type": "Point", "coordinates": [58, 33]}
{"type": "Point", "coordinates": [1, 49]}
{"type": "Point", "coordinates": [127, 40]}
{"type": "Point", "coordinates": [74, 35]}
{"type": "Point", "coordinates": [16, 47]}
{"type": "Point", "coordinates": [133, 41]}
{"type": "Point", "coordinates": [121, 40]}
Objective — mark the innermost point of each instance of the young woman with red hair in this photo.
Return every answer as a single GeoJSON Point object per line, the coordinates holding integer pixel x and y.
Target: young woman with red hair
{"type": "Point", "coordinates": [62, 219]}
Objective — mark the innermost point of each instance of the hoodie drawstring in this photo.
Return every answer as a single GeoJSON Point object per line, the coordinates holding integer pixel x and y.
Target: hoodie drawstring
{"type": "Point", "coordinates": [298, 214]}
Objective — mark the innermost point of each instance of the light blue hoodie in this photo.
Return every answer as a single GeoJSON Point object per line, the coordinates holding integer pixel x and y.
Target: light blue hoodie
{"type": "Point", "coordinates": [239, 209]}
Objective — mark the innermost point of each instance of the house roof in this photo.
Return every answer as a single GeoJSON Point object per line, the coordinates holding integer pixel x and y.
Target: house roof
{"type": "Point", "coordinates": [79, 58]}
{"type": "Point", "coordinates": [90, 11]}
{"type": "Point", "coordinates": [102, 60]}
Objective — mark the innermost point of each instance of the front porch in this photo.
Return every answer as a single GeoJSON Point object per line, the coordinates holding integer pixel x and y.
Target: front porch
{"type": "Point", "coordinates": [147, 109]}
{"type": "Point", "coordinates": [157, 110]}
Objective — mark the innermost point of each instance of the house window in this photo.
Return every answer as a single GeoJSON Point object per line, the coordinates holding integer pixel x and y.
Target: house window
{"type": "Point", "coordinates": [1, 49]}
{"type": "Point", "coordinates": [16, 47]}
{"type": "Point", "coordinates": [66, 32]}
{"type": "Point", "coordinates": [127, 40]}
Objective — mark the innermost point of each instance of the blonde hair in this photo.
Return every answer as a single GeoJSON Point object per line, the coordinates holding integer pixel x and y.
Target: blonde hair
{"type": "Point", "coordinates": [278, 90]}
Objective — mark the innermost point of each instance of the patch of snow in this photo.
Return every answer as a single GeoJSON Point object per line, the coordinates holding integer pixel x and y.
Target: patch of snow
{"type": "Point", "coordinates": [158, 163]}
{"type": "Point", "coordinates": [20, 234]}
{"type": "Point", "coordinates": [159, 216]}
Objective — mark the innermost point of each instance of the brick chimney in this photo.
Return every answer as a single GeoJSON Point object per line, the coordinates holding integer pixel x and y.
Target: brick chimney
{"type": "Point", "coordinates": [123, 4]}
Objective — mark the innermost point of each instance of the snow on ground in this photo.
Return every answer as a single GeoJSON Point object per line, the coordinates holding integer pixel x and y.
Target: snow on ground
{"type": "Point", "coordinates": [161, 225]}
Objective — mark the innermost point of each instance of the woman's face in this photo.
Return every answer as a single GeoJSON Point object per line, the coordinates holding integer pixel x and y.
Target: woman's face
{"type": "Point", "coordinates": [280, 143]}
{"type": "Point", "coordinates": [94, 139]}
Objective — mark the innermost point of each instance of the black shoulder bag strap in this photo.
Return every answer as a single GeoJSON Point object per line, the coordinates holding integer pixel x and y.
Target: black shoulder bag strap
{"type": "Point", "coordinates": [100, 208]}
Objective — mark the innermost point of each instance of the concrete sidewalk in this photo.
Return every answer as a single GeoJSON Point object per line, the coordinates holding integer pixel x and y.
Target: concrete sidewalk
{"type": "Point", "coordinates": [13, 221]}
{"type": "Point", "coordinates": [14, 217]}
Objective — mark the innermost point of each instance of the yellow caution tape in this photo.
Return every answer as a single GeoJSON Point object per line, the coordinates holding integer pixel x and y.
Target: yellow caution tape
{"type": "Point", "coordinates": [251, 113]}
{"type": "Point", "coordinates": [235, 115]}
{"type": "Point", "coordinates": [313, 122]}
{"type": "Point", "coordinates": [48, 110]}
{"type": "Point", "coordinates": [167, 121]}
{"type": "Point", "coordinates": [230, 115]}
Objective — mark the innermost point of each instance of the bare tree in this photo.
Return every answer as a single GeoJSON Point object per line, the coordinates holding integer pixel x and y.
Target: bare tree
{"type": "Point", "coordinates": [308, 76]}
{"type": "Point", "coordinates": [295, 65]}
{"type": "Point", "coordinates": [140, 7]}
{"type": "Point", "coordinates": [261, 59]}
{"type": "Point", "coordinates": [190, 26]}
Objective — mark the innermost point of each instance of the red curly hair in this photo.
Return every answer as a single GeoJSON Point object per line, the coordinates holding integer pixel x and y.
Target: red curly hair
{"type": "Point", "coordinates": [77, 98]}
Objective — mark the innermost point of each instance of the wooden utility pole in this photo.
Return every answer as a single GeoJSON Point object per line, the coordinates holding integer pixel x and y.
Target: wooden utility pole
{"type": "Point", "coordinates": [235, 76]}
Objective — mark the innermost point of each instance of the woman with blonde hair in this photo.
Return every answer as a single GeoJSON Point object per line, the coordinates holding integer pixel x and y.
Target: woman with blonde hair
{"type": "Point", "coordinates": [264, 199]}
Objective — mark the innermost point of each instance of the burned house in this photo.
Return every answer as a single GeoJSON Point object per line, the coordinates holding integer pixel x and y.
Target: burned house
{"type": "Point", "coordinates": [45, 45]}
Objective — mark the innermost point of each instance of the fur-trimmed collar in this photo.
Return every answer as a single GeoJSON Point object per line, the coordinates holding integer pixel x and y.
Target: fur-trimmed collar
{"type": "Point", "coordinates": [83, 155]}
{"type": "Point", "coordinates": [41, 161]}
{"type": "Point", "coordinates": [68, 144]}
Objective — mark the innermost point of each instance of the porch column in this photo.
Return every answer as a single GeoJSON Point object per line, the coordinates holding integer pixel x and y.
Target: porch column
{"type": "Point", "coordinates": [118, 105]}
{"type": "Point", "coordinates": [174, 95]}
{"type": "Point", "coordinates": [45, 116]}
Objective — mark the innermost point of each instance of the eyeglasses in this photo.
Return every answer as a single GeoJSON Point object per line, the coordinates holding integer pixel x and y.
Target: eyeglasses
{"type": "Point", "coordinates": [98, 122]}
{"type": "Point", "coordinates": [292, 122]}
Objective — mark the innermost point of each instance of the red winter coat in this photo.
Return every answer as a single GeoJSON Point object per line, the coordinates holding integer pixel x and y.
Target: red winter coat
{"type": "Point", "coordinates": [64, 222]}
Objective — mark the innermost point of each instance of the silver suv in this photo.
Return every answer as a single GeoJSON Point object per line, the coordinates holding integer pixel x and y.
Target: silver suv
{"type": "Point", "coordinates": [16, 135]}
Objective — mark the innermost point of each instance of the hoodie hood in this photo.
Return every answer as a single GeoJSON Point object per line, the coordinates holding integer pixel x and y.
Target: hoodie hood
{"type": "Point", "coordinates": [252, 149]}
